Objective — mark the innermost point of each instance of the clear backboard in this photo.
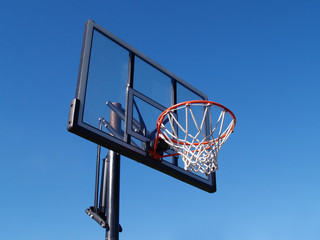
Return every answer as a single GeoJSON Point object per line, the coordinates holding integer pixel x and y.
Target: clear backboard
{"type": "Point", "coordinates": [115, 78]}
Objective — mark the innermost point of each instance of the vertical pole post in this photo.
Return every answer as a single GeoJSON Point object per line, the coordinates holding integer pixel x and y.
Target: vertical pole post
{"type": "Point", "coordinates": [103, 187]}
{"type": "Point", "coordinates": [113, 195]}
{"type": "Point", "coordinates": [96, 193]}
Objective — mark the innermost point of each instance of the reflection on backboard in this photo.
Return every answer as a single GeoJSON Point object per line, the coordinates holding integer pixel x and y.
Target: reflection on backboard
{"type": "Point", "coordinates": [113, 76]}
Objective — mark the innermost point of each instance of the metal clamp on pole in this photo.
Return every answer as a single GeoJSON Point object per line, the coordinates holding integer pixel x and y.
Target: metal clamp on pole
{"type": "Point", "coordinates": [101, 220]}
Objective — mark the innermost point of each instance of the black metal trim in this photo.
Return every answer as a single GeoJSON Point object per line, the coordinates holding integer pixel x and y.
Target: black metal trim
{"type": "Point", "coordinates": [77, 126]}
{"type": "Point", "coordinates": [145, 58]}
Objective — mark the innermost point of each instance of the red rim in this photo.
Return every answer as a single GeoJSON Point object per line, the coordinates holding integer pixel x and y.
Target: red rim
{"type": "Point", "coordinates": [164, 113]}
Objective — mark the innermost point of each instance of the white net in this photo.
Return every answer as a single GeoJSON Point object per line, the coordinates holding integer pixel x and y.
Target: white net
{"type": "Point", "coordinates": [194, 136]}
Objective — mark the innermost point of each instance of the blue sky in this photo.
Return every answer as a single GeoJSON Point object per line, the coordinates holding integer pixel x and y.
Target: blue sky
{"type": "Point", "coordinates": [259, 58]}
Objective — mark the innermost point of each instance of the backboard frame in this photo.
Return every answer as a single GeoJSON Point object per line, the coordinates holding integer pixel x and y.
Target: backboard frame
{"type": "Point", "coordinates": [77, 126]}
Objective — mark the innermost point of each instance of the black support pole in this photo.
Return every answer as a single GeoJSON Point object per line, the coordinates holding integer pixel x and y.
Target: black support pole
{"type": "Point", "coordinates": [96, 192]}
{"type": "Point", "coordinates": [113, 195]}
{"type": "Point", "coordinates": [104, 186]}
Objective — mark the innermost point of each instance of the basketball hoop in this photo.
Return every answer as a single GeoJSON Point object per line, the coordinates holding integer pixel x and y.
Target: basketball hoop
{"type": "Point", "coordinates": [195, 138]}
